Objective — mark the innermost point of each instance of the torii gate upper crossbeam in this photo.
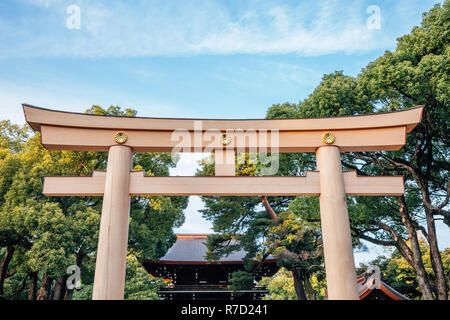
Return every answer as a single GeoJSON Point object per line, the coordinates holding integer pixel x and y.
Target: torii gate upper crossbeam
{"type": "Point", "coordinates": [81, 132]}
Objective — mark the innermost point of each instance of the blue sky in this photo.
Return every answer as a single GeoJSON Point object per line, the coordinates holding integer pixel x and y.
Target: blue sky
{"type": "Point", "coordinates": [207, 59]}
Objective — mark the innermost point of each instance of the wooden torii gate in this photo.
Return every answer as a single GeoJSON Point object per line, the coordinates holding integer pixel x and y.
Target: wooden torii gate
{"type": "Point", "coordinates": [122, 136]}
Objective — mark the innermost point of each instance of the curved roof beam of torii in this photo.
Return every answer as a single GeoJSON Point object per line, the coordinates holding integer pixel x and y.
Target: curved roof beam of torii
{"type": "Point", "coordinates": [83, 132]}
{"type": "Point", "coordinates": [37, 116]}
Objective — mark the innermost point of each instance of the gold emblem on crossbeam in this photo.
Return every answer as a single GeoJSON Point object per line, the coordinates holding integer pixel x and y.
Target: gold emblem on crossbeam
{"type": "Point", "coordinates": [120, 137]}
{"type": "Point", "coordinates": [226, 140]}
{"type": "Point", "coordinates": [328, 138]}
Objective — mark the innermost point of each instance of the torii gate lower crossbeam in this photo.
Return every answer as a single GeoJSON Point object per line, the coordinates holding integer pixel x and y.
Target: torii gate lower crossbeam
{"type": "Point", "coordinates": [59, 130]}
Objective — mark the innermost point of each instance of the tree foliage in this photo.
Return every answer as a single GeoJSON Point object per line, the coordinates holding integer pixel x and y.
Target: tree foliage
{"type": "Point", "coordinates": [399, 274]}
{"type": "Point", "coordinates": [139, 284]}
{"type": "Point", "coordinates": [41, 236]}
{"type": "Point", "coordinates": [415, 73]}
{"type": "Point", "coordinates": [297, 245]}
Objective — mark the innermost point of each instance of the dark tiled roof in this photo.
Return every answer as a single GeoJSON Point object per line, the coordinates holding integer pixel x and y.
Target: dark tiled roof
{"type": "Point", "coordinates": [191, 248]}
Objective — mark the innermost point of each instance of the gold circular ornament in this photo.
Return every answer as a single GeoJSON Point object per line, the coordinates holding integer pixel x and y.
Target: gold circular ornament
{"type": "Point", "coordinates": [328, 138]}
{"type": "Point", "coordinates": [226, 140]}
{"type": "Point", "coordinates": [120, 137]}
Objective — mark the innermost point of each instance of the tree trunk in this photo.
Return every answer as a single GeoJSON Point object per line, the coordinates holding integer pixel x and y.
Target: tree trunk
{"type": "Point", "coordinates": [22, 286]}
{"type": "Point", "coordinates": [269, 209]}
{"type": "Point", "coordinates": [298, 285]}
{"type": "Point", "coordinates": [311, 293]}
{"type": "Point", "coordinates": [435, 257]}
{"type": "Point", "coordinates": [68, 295]}
{"type": "Point", "coordinates": [44, 291]}
{"type": "Point", "coordinates": [416, 259]}
{"type": "Point", "coordinates": [59, 289]}
{"type": "Point", "coordinates": [4, 266]}
{"type": "Point", "coordinates": [413, 259]}
{"type": "Point", "coordinates": [33, 286]}
{"type": "Point", "coordinates": [422, 180]}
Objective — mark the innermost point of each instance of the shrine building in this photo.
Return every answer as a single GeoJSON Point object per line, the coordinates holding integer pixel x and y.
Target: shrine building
{"type": "Point", "coordinates": [192, 277]}
{"type": "Point", "coordinates": [195, 278]}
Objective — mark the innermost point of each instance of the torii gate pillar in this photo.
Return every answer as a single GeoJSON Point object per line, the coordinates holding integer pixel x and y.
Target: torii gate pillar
{"type": "Point", "coordinates": [109, 280]}
{"type": "Point", "coordinates": [337, 240]}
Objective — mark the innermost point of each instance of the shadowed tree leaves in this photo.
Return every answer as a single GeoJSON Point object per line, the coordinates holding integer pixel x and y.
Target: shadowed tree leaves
{"type": "Point", "coordinates": [49, 234]}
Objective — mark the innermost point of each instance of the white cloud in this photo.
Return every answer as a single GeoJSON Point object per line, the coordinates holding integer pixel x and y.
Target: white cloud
{"type": "Point", "coordinates": [118, 29]}
{"type": "Point", "coordinates": [44, 3]}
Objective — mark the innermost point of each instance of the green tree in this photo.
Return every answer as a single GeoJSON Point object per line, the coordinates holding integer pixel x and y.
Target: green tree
{"type": "Point", "coordinates": [240, 223]}
{"type": "Point", "coordinates": [139, 284]}
{"type": "Point", "coordinates": [280, 286]}
{"type": "Point", "coordinates": [297, 245]}
{"type": "Point", "coordinates": [41, 236]}
{"type": "Point", "coordinates": [399, 274]}
{"type": "Point", "coordinates": [241, 280]}
{"type": "Point", "coordinates": [415, 73]}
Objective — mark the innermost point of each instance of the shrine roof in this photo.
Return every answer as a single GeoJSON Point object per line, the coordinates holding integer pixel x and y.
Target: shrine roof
{"type": "Point", "coordinates": [191, 249]}
{"type": "Point", "coordinates": [370, 281]}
